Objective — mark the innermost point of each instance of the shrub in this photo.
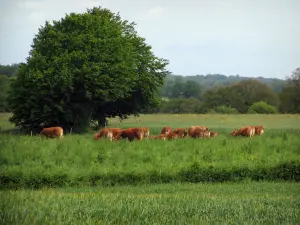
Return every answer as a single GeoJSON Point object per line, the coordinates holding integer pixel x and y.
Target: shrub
{"type": "Point", "coordinates": [262, 108]}
{"type": "Point", "coordinates": [223, 110]}
{"type": "Point", "coordinates": [181, 105]}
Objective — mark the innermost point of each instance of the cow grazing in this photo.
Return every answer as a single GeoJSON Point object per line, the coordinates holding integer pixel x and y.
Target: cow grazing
{"type": "Point", "coordinates": [181, 132]}
{"type": "Point", "coordinates": [104, 133]}
{"type": "Point", "coordinates": [259, 130]}
{"type": "Point", "coordinates": [166, 130]}
{"type": "Point", "coordinates": [146, 131]}
{"type": "Point", "coordinates": [171, 136]}
{"type": "Point", "coordinates": [131, 134]}
{"type": "Point", "coordinates": [198, 131]}
{"type": "Point", "coordinates": [108, 133]}
{"type": "Point", "coordinates": [213, 134]}
{"type": "Point", "coordinates": [52, 132]}
{"type": "Point", "coordinates": [247, 131]}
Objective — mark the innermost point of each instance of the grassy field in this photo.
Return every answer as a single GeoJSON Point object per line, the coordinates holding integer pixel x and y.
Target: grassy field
{"type": "Point", "coordinates": [219, 203]}
{"type": "Point", "coordinates": [102, 182]}
{"type": "Point", "coordinates": [79, 160]}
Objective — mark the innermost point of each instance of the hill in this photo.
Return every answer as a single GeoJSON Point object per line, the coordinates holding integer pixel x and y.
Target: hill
{"type": "Point", "coordinates": [212, 80]}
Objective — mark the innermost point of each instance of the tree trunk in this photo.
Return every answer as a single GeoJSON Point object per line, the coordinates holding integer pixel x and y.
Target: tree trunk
{"type": "Point", "coordinates": [102, 121]}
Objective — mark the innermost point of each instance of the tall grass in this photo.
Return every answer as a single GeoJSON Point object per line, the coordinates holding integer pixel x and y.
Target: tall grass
{"type": "Point", "coordinates": [221, 203]}
{"type": "Point", "coordinates": [27, 161]}
{"type": "Point", "coordinates": [79, 160]}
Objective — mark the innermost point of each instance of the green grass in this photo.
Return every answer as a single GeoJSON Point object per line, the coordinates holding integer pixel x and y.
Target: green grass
{"type": "Point", "coordinates": [89, 175]}
{"type": "Point", "coordinates": [79, 160]}
{"type": "Point", "coordinates": [219, 203]}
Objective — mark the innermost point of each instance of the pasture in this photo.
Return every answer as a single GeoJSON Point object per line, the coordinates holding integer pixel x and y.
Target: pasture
{"type": "Point", "coordinates": [215, 180]}
{"type": "Point", "coordinates": [205, 203]}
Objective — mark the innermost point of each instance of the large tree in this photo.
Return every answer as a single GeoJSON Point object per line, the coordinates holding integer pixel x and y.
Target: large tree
{"type": "Point", "coordinates": [85, 66]}
{"type": "Point", "coordinates": [290, 95]}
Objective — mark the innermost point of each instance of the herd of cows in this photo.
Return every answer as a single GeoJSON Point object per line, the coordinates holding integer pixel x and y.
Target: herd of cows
{"type": "Point", "coordinates": [167, 133]}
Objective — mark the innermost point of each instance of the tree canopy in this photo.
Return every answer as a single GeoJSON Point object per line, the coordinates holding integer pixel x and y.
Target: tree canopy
{"type": "Point", "coordinates": [240, 95]}
{"type": "Point", "coordinates": [85, 66]}
{"type": "Point", "coordinates": [290, 95]}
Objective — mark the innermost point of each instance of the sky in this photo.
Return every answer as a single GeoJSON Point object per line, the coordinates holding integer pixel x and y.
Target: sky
{"type": "Point", "coordinates": [251, 38]}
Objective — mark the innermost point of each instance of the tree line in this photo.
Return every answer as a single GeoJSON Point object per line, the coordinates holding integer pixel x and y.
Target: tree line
{"type": "Point", "coordinates": [94, 66]}
{"type": "Point", "coordinates": [179, 95]}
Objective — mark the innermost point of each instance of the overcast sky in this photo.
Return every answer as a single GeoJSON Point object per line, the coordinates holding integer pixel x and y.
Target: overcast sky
{"type": "Point", "coordinates": [245, 37]}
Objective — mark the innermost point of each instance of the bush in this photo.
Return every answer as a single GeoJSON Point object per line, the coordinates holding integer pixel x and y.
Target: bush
{"type": "Point", "coordinates": [223, 110]}
{"type": "Point", "coordinates": [262, 108]}
{"type": "Point", "coordinates": [181, 105]}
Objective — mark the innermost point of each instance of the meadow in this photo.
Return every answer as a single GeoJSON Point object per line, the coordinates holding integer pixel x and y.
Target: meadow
{"type": "Point", "coordinates": [203, 203]}
{"type": "Point", "coordinates": [29, 161]}
{"type": "Point", "coordinates": [187, 181]}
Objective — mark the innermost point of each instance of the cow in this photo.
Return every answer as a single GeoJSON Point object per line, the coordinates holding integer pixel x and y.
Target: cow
{"type": "Point", "coordinates": [171, 136]}
{"type": "Point", "coordinates": [181, 132]}
{"type": "Point", "coordinates": [213, 134]}
{"type": "Point", "coordinates": [52, 132]}
{"type": "Point", "coordinates": [259, 130]}
{"type": "Point", "coordinates": [166, 130]}
{"type": "Point", "coordinates": [108, 133]}
{"type": "Point", "coordinates": [131, 134]}
{"type": "Point", "coordinates": [146, 131]}
{"type": "Point", "coordinates": [198, 131]}
{"type": "Point", "coordinates": [247, 131]}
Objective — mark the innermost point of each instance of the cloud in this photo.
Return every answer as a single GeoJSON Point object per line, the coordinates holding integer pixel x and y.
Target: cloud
{"type": "Point", "coordinates": [155, 13]}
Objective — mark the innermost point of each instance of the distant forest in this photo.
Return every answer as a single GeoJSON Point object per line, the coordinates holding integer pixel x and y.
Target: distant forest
{"type": "Point", "coordinates": [211, 93]}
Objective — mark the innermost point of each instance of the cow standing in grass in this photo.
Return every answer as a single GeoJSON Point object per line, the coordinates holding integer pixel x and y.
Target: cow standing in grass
{"type": "Point", "coordinates": [181, 132]}
{"type": "Point", "coordinates": [146, 131]}
{"type": "Point", "coordinates": [166, 130]}
{"type": "Point", "coordinates": [52, 132]}
{"type": "Point", "coordinates": [259, 130]}
{"type": "Point", "coordinates": [199, 132]}
{"type": "Point", "coordinates": [108, 133]}
{"type": "Point", "coordinates": [247, 131]}
{"type": "Point", "coordinates": [131, 134]}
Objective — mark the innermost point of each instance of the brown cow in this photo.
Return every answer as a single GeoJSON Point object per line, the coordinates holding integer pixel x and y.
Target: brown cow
{"type": "Point", "coordinates": [247, 131]}
{"type": "Point", "coordinates": [109, 133]}
{"type": "Point", "coordinates": [52, 132]}
{"type": "Point", "coordinates": [166, 130]}
{"type": "Point", "coordinates": [146, 131]}
{"type": "Point", "coordinates": [259, 130]}
{"type": "Point", "coordinates": [171, 136]}
{"type": "Point", "coordinates": [198, 131]}
{"type": "Point", "coordinates": [131, 134]}
{"type": "Point", "coordinates": [181, 132]}
{"type": "Point", "coordinates": [213, 134]}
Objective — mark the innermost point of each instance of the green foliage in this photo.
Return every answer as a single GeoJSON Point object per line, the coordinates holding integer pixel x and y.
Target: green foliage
{"type": "Point", "coordinates": [214, 80]}
{"type": "Point", "coordinates": [224, 110]}
{"type": "Point", "coordinates": [9, 70]}
{"type": "Point", "coordinates": [179, 89]}
{"type": "Point", "coordinates": [82, 67]}
{"type": "Point", "coordinates": [240, 95]}
{"type": "Point", "coordinates": [181, 105]}
{"type": "Point", "coordinates": [4, 87]}
{"type": "Point", "coordinates": [262, 108]}
{"type": "Point", "coordinates": [243, 203]}
{"type": "Point", "coordinates": [290, 95]}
